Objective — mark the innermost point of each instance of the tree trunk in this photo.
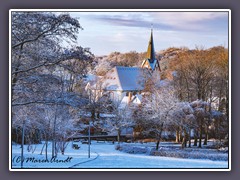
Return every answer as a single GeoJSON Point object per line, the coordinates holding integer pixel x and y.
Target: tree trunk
{"type": "Point", "coordinates": [220, 96]}
{"type": "Point", "coordinates": [62, 144]}
{"type": "Point", "coordinates": [54, 133]}
{"type": "Point", "coordinates": [189, 142]}
{"type": "Point", "coordinates": [200, 135]}
{"type": "Point", "coordinates": [22, 145]}
{"type": "Point", "coordinates": [227, 100]}
{"type": "Point", "coordinates": [195, 137]}
{"type": "Point", "coordinates": [206, 136]}
{"type": "Point", "coordinates": [159, 137]}
{"type": "Point", "coordinates": [119, 134]}
{"type": "Point", "coordinates": [183, 142]}
{"type": "Point", "coordinates": [177, 135]}
{"type": "Point", "coordinates": [56, 149]}
{"type": "Point", "coordinates": [185, 137]}
{"type": "Point", "coordinates": [16, 135]}
{"type": "Point", "coordinates": [42, 148]}
{"type": "Point", "coordinates": [158, 142]}
{"type": "Point", "coordinates": [180, 135]}
{"type": "Point", "coordinates": [46, 149]}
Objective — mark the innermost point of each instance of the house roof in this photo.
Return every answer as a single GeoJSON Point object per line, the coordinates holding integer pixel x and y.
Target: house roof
{"type": "Point", "coordinates": [124, 79]}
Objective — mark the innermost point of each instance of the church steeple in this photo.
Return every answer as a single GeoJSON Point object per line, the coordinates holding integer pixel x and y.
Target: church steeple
{"type": "Point", "coordinates": [151, 62]}
{"type": "Point", "coordinates": [150, 51]}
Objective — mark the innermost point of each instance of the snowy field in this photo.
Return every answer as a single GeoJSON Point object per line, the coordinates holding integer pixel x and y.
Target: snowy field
{"type": "Point", "coordinates": [104, 155]}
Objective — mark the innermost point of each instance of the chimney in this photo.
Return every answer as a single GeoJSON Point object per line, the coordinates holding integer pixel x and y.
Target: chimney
{"type": "Point", "coordinates": [129, 97]}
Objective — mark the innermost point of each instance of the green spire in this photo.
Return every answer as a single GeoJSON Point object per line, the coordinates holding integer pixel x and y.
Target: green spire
{"type": "Point", "coordinates": [150, 50]}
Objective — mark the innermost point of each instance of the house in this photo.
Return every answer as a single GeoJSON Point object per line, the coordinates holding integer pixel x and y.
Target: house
{"type": "Point", "coordinates": [126, 83]}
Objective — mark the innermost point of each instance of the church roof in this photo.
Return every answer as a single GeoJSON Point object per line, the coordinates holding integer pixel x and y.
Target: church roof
{"type": "Point", "coordinates": [124, 79]}
{"type": "Point", "coordinates": [150, 51]}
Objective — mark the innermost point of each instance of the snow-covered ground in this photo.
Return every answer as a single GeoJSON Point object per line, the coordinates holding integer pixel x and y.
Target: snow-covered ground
{"type": "Point", "coordinates": [104, 155]}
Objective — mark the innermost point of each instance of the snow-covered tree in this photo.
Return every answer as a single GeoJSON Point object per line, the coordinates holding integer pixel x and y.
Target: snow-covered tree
{"type": "Point", "coordinates": [44, 72]}
{"type": "Point", "coordinates": [121, 117]}
{"type": "Point", "coordinates": [219, 126]}
{"type": "Point", "coordinates": [201, 113]}
{"type": "Point", "coordinates": [26, 126]}
{"type": "Point", "coordinates": [65, 128]}
{"type": "Point", "coordinates": [102, 67]}
{"type": "Point", "coordinates": [201, 74]}
{"type": "Point", "coordinates": [97, 99]}
{"type": "Point", "coordinates": [184, 121]}
{"type": "Point", "coordinates": [38, 54]}
{"type": "Point", "coordinates": [158, 105]}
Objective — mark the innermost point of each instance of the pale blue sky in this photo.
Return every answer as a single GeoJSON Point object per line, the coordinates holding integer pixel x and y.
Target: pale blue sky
{"type": "Point", "coordinates": [106, 32]}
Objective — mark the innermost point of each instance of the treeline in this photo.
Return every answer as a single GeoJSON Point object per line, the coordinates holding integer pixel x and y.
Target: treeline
{"type": "Point", "coordinates": [202, 74]}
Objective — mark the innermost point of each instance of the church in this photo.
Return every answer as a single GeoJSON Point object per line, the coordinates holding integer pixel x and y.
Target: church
{"type": "Point", "coordinates": [126, 83]}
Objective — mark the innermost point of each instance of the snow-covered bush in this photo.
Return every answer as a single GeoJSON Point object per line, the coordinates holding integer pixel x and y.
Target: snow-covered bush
{"type": "Point", "coordinates": [133, 149]}
{"type": "Point", "coordinates": [192, 153]}
{"type": "Point", "coordinates": [176, 152]}
{"type": "Point", "coordinates": [102, 67]}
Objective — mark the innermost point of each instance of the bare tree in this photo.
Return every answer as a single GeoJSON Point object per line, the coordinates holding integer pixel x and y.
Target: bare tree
{"type": "Point", "coordinates": [201, 112]}
{"type": "Point", "coordinates": [37, 51]}
{"type": "Point", "coordinates": [44, 73]}
{"type": "Point", "coordinates": [201, 74]}
{"type": "Point", "coordinates": [25, 121]}
{"type": "Point", "coordinates": [158, 106]}
{"type": "Point", "coordinates": [183, 117]}
{"type": "Point", "coordinates": [219, 127]}
{"type": "Point", "coordinates": [121, 117]}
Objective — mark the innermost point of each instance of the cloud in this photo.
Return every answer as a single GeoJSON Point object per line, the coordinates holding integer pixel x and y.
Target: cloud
{"type": "Point", "coordinates": [190, 20]}
{"type": "Point", "coordinates": [129, 22]}
{"type": "Point", "coordinates": [173, 21]}
{"type": "Point", "coordinates": [175, 17]}
{"type": "Point", "coordinates": [106, 32]}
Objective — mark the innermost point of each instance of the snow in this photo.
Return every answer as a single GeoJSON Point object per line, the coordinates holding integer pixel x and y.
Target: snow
{"type": "Point", "coordinates": [104, 155]}
{"type": "Point", "coordinates": [124, 102]}
{"type": "Point", "coordinates": [91, 77]}
{"type": "Point", "coordinates": [136, 100]}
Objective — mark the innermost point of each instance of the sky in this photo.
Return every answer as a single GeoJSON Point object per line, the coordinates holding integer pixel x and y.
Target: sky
{"type": "Point", "coordinates": [106, 32]}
